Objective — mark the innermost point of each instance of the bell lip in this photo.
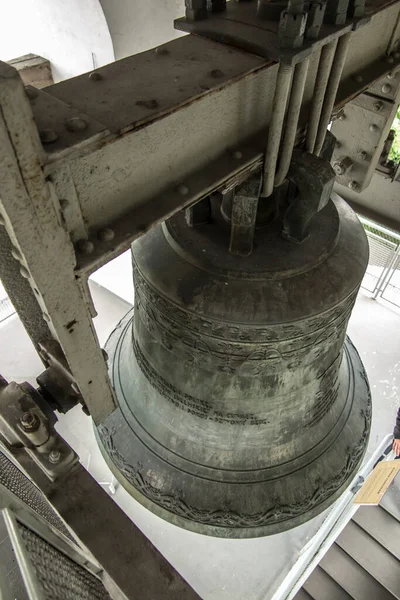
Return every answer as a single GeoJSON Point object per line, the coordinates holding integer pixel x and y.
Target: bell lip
{"type": "Point", "coordinates": [362, 392]}
{"type": "Point", "coordinates": [236, 533]}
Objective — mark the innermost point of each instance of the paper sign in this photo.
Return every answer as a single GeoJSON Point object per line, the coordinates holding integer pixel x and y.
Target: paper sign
{"type": "Point", "coordinates": [378, 482]}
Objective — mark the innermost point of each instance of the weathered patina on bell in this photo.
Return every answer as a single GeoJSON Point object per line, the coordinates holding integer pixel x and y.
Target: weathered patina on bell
{"type": "Point", "coordinates": [243, 410]}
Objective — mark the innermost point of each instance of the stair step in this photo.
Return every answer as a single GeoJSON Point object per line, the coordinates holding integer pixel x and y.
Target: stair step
{"type": "Point", "coordinates": [359, 584]}
{"type": "Point", "coordinates": [321, 586]}
{"type": "Point", "coordinates": [391, 500]}
{"type": "Point", "coordinates": [371, 556]}
{"type": "Point", "coordinates": [302, 595]}
{"type": "Point", "coordinates": [381, 526]}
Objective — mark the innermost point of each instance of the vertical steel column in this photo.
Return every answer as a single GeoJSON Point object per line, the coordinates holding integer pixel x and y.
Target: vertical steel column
{"type": "Point", "coordinates": [282, 88]}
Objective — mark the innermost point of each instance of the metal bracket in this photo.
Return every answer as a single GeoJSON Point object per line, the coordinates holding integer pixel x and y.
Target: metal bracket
{"type": "Point", "coordinates": [24, 423]}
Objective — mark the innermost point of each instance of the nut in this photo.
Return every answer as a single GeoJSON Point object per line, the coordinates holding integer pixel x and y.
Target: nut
{"type": "Point", "coordinates": [342, 166]}
{"type": "Point", "coordinates": [30, 422]}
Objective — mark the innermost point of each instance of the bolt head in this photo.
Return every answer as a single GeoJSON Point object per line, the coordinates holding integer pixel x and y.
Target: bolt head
{"type": "Point", "coordinates": [106, 234]}
{"type": "Point", "coordinates": [54, 457]}
{"type": "Point", "coordinates": [76, 124]}
{"type": "Point", "coordinates": [95, 76]}
{"type": "Point", "coordinates": [30, 422]}
{"type": "Point", "coordinates": [48, 136]}
{"type": "Point", "coordinates": [386, 88]}
{"type": "Point", "coordinates": [374, 128]}
{"type": "Point", "coordinates": [359, 78]}
{"type": "Point", "coordinates": [364, 155]}
{"type": "Point", "coordinates": [338, 167]}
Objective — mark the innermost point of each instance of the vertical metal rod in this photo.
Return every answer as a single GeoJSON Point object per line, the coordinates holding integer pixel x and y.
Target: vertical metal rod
{"type": "Point", "coordinates": [282, 88]}
{"type": "Point", "coordinates": [296, 97]}
{"type": "Point", "coordinates": [331, 90]}
{"type": "Point", "coordinates": [321, 81]}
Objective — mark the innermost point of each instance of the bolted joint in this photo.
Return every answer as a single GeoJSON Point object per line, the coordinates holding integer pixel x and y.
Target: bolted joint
{"type": "Point", "coordinates": [343, 166]}
{"type": "Point", "coordinates": [316, 13]}
{"type": "Point", "coordinates": [30, 422]}
{"type": "Point", "coordinates": [336, 11]}
{"type": "Point", "coordinates": [291, 29]}
{"type": "Point", "coordinates": [196, 10]}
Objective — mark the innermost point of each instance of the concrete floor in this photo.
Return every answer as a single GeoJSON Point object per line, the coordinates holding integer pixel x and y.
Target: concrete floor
{"type": "Point", "coordinates": [218, 569]}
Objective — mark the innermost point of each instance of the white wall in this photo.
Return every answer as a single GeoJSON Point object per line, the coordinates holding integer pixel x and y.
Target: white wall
{"type": "Point", "coordinates": [138, 25]}
{"type": "Point", "coordinates": [72, 34]}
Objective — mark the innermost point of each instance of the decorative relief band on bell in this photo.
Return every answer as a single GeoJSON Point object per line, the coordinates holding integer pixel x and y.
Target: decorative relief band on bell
{"type": "Point", "coordinates": [224, 516]}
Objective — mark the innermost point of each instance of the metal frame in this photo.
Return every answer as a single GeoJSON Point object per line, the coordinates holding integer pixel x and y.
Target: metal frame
{"type": "Point", "coordinates": [114, 169]}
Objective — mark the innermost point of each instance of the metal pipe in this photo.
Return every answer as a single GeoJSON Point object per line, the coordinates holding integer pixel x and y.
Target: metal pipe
{"type": "Point", "coordinates": [292, 121]}
{"type": "Point", "coordinates": [321, 81]}
{"type": "Point", "coordinates": [282, 88]}
{"type": "Point", "coordinates": [331, 90]}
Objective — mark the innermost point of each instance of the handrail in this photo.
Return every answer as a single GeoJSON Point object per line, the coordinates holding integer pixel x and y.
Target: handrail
{"type": "Point", "coordinates": [335, 522]}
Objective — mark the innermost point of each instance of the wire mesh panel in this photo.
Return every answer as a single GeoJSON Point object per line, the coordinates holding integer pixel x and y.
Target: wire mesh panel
{"type": "Point", "coordinates": [382, 249]}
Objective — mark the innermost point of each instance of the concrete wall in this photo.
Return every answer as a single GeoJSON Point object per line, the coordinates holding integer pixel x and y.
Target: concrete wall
{"type": "Point", "coordinates": [138, 25]}
{"type": "Point", "coordinates": [72, 34]}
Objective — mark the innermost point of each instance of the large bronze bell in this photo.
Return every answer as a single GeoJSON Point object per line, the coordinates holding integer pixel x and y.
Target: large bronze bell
{"type": "Point", "coordinates": [243, 409]}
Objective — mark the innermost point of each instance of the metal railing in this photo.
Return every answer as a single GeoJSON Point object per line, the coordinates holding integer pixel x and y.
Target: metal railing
{"type": "Point", "coordinates": [336, 521]}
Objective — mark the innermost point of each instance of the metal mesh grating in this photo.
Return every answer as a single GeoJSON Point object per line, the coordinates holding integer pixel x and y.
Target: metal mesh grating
{"type": "Point", "coordinates": [17, 483]}
{"type": "Point", "coordinates": [60, 577]}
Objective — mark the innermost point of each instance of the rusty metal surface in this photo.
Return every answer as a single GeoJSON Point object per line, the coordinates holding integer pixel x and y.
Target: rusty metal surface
{"type": "Point", "coordinates": [141, 88]}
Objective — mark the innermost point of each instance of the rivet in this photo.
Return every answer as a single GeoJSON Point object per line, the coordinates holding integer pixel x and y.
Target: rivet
{"type": "Point", "coordinates": [342, 117]}
{"type": "Point", "coordinates": [31, 92]}
{"type": "Point", "coordinates": [162, 51]}
{"type": "Point", "coordinates": [183, 190]}
{"type": "Point", "coordinates": [374, 128]}
{"type": "Point", "coordinates": [24, 272]}
{"type": "Point", "coordinates": [364, 155]}
{"type": "Point", "coordinates": [353, 185]}
{"type": "Point", "coordinates": [106, 234]}
{"type": "Point", "coordinates": [16, 253]}
{"type": "Point", "coordinates": [390, 60]}
{"type": "Point", "coordinates": [85, 246]}
{"type": "Point", "coordinates": [386, 88]}
{"type": "Point", "coordinates": [55, 457]}
{"type": "Point", "coordinates": [95, 76]}
{"type": "Point", "coordinates": [359, 78]}
{"type": "Point", "coordinates": [48, 136]}
{"type": "Point", "coordinates": [237, 154]}
{"type": "Point", "coordinates": [378, 106]}
{"type": "Point", "coordinates": [216, 73]}
{"type": "Point", "coordinates": [76, 124]}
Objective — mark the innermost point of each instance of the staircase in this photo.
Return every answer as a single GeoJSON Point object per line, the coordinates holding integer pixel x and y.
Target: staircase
{"type": "Point", "coordinates": [364, 561]}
